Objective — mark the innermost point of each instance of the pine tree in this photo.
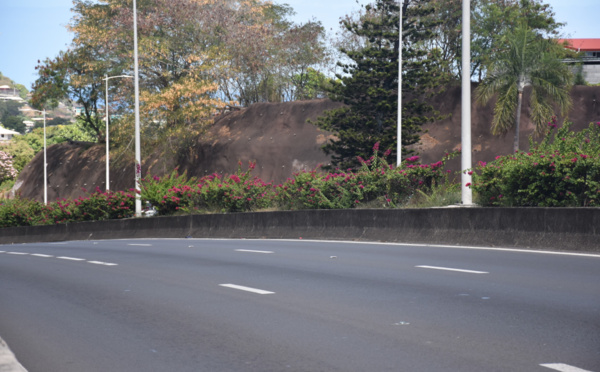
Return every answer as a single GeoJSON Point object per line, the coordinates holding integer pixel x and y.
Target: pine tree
{"type": "Point", "coordinates": [369, 84]}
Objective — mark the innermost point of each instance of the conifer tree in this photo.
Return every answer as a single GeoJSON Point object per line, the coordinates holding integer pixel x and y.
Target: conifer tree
{"type": "Point", "coordinates": [369, 83]}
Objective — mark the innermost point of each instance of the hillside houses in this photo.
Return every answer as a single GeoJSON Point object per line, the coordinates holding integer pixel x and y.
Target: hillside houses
{"type": "Point", "coordinates": [7, 134]}
{"type": "Point", "coordinates": [590, 58]}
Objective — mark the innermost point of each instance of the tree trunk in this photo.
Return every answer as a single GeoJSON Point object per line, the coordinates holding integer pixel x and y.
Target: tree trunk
{"type": "Point", "coordinates": [518, 120]}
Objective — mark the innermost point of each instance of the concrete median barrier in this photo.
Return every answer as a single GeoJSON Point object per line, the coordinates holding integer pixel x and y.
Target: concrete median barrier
{"type": "Point", "coordinates": [571, 229]}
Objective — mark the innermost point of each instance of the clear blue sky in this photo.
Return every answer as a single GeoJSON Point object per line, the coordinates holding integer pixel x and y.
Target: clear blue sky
{"type": "Point", "coordinates": [31, 30]}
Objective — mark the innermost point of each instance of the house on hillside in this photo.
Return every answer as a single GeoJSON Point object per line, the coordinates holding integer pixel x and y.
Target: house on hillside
{"type": "Point", "coordinates": [590, 59]}
{"type": "Point", "coordinates": [9, 94]}
{"type": "Point", "coordinates": [7, 134]}
{"type": "Point", "coordinates": [29, 125]}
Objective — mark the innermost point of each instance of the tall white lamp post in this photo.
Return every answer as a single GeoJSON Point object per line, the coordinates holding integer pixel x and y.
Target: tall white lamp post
{"type": "Point", "coordinates": [43, 112]}
{"type": "Point", "coordinates": [467, 193]}
{"type": "Point", "coordinates": [107, 78]}
{"type": "Point", "coordinates": [138, 160]}
{"type": "Point", "coordinates": [399, 154]}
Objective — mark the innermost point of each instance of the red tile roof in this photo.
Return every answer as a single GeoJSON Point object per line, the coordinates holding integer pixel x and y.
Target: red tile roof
{"type": "Point", "coordinates": [583, 45]}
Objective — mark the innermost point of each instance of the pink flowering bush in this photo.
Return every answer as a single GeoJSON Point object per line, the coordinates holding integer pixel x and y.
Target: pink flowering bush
{"type": "Point", "coordinates": [562, 170]}
{"type": "Point", "coordinates": [7, 170]}
{"type": "Point", "coordinates": [20, 212]}
{"type": "Point", "coordinates": [93, 207]}
{"type": "Point", "coordinates": [238, 192]}
{"type": "Point", "coordinates": [376, 184]}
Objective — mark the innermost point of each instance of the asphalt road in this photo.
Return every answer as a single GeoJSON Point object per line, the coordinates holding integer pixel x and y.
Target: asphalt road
{"type": "Point", "coordinates": [257, 305]}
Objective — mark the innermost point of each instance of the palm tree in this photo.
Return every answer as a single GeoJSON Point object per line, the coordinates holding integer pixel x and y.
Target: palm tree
{"type": "Point", "coordinates": [528, 60]}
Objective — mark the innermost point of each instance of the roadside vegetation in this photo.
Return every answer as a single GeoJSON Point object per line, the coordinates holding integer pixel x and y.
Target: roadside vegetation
{"type": "Point", "coordinates": [376, 184]}
{"type": "Point", "coordinates": [226, 52]}
{"type": "Point", "coordinates": [563, 170]}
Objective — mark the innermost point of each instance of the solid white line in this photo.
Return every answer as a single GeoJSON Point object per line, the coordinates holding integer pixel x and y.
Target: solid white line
{"type": "Point", "coordinates": [2, 251]}
{"type": "Point", "coordinates": [452, 269]}
{"type": "Point", "coordinates": [142, 245]}
{"type": "Point", "coordinates": [252, 251]}
{"type": "Point", "coordinates": [247, 289]}
{"type": "Point", "coordinates": [41, 255]}
{"type": "Point", "coordinates": [19, 253]}
{"type": "Point", "coordinates": [563, 367]}
{"type": "Point", "coordinates": [71, 258]}
{"type": "Point", "coordinates": [60, 243]}
{"type": "Point", "coordinates": [596, 255]}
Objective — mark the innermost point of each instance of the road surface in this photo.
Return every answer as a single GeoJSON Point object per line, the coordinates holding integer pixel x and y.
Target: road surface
{"type": "Point", "coordinates": [277, 305]}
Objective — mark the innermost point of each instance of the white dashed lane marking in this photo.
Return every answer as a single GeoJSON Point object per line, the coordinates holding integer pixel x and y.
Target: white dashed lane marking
{"type": "Point", "coordinates": [452, 269]}
{"type": "Point", "coordinates": [247, 289]}
{"type": "Point", "coordinates": [67, 258]}
{"type": "Point", "coordinates": [102, 263]}
{"type": "Point", "coordinates": [252, 251]}
{"type": "Point", "coordinates": [70, 258]}
{"type": "Point", "coordinates": [563, 367]}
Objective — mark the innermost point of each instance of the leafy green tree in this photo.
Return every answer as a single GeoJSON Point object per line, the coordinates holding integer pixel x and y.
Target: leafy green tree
{"type": "Point", "coordinates": [15, 123]}
{"type": "Point", "coordinates": [75, 74]}
{"type": "Point", "coordinates": [490, 19]}
{"type": "Point", "coordinates": [369, 83]}
{"type": "Point", "coordinates": [9, 108]}
{"type": "Point", "coordinates": [20, 150]}
{"type": "Point", "coordinates": [528, 59]}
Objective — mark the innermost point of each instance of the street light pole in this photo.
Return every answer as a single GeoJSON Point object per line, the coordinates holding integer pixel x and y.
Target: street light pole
{"type": "Point", "coordinates": [138, 160]}
{"type": "Point", "coordinates": [43, 112]}
{"type": "Point", "coordinates": [399, 154]}
{"type": "Point", "coordinates": [467, 193]}
{"type": "Point", "coordinates": [107, 78]}
{"type": "Point", "coordinates": [45, 163]}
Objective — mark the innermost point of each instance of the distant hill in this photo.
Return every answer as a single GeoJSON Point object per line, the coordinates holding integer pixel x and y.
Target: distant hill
{"type": "Point", "coordinates": [21, 89]}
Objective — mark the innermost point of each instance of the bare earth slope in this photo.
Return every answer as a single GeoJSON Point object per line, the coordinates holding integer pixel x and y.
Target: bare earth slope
{"type": "Point", "coordinates": [278, 138]}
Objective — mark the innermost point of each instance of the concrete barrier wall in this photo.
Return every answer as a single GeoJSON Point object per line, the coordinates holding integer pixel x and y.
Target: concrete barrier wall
{"type": "Point", "coordinates": [572, 229]}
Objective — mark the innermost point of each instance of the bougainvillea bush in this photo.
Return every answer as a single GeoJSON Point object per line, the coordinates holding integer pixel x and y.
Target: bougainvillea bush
{"type": "Point", "coordinates": [375, 184]}
{"type": "Point", "coordinates": [562, 170]}
{"type": "Point", "coordinates": [238, 192]}
{"type": "Point", "coordinates": [95, 206]}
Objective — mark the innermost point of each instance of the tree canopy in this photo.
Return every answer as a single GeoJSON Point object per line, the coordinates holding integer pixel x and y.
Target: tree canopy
{"type": "Point", "coordinates": [195, 56]}
{"type": "Point", "coordinates": [369, 83]}
{"type": "Point", "coordinates": [526, 60]}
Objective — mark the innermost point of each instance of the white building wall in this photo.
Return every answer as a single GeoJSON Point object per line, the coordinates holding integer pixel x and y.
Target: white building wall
{"type": "Point", "coordinates": [591, 74]}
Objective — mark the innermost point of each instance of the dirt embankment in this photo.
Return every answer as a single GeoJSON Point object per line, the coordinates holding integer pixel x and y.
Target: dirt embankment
{"type": "Point", "coordinates": [278, 137]}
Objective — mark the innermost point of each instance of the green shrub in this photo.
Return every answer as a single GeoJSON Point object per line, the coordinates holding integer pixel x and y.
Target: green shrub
{"type": "Point", "coordinates": [563, 170]}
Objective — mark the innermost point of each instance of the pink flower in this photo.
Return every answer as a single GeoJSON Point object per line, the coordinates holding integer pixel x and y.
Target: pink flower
{"type": "Point", "coordinates": [412, 159]}
{"type": "Point", "coordinates": [376, 146]}
{"type": "Point", "coordinates": [482, 163]}
{"type": "Point", "coordinates": [468, 184]}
